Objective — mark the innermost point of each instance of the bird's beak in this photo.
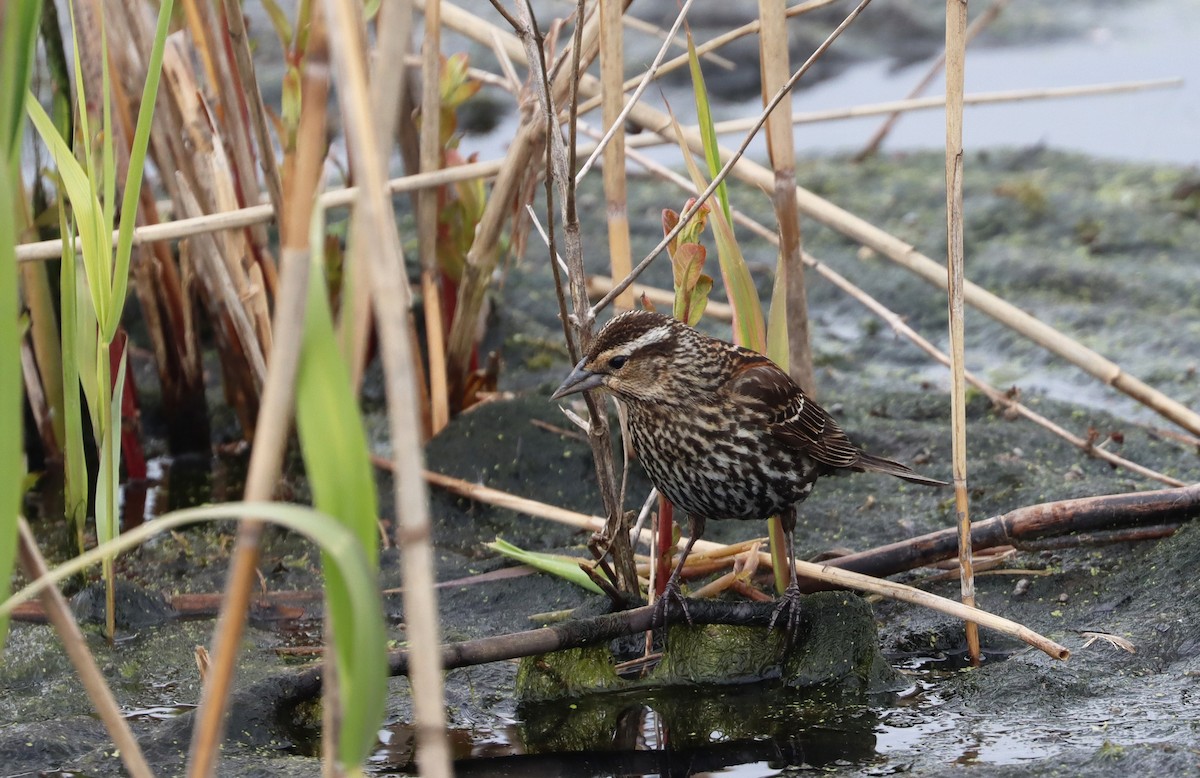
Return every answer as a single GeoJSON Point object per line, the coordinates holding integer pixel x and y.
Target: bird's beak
{"type": "Point", "coordinates": [580, 380]}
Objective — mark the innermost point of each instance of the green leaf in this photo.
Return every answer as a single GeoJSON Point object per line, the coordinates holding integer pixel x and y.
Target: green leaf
{"type": "Point", "coordinates": [12, 460]}
{"type": "Point", "coordinates": [563, 567]}
{"type": "Point", "coordinates": [75, 477]}
{"type": "Point", "coordinates": [133, 177]}
{"type": "Point", "coordinates": [338, 463]}
{"type": "Point", "coordinates": [708, 130]}
{"type": "Point", "coordinates": [283, 28]}
{"type": "Point", "coordinates": [748, 327]}
{"type": "Point", "coordinates": [290, 106]}
{"type": "Point", "coordinates": [699, 301]}
{"type": "Point", "coordinates": [18, 41]}
{"type": "Point", "coordinates": [95, 237]}
{"type": "Point", "coordinates": [18, 28]}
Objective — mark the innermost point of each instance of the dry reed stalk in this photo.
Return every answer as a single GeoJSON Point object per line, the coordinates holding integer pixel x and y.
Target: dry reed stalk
{"type": "Point", "coordinates": [242, 362]}
{"type": "Point", "coordinates": [731, 126]}
{"type": "Point", "coordinates": [617, 124]}
{"type": "Point", "coordinates": [383, 256]}
{"type": "Point", "coordinates": [956, 50]}
{"type": "Point", "coordinates": [612, 72]}
{"type": "Point", "coordinates": [75, 644]}
{"type": "Point", "coordinates": [703, 49]}
{"type": "Point", "coordinates": [239, 39]}
{"type": "Point", "coordinates": [427, 216]}
{"type": "Point", "coordinates": [300, 187]}
{"type": "Point", "coordinates": [45, 351]}
{"type": "Point", "coordinates": [232, 118]}
{"type": "Point", "coordinates": [483, 255]}
{"type": "Point", "coordinates": [202, 168]}
{"type": "Point", "coordinates": [819, 572]}
{"type": "Point", "coordinates": [389, 87]}
{"type": "Point", "coordinates": [39, 407]}
{"type": "Point", "coordinates": [599, 285]}
{"type": "Point", "coordinates": [258, 214]}
{"type": "Point", "coordinates": [977, 26]}
{"type": "Point", "coordinates": [790, 296]}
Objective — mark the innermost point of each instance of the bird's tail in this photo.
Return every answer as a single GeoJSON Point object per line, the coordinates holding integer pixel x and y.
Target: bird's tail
{"type": "Point", "coordinates": [881, 465]}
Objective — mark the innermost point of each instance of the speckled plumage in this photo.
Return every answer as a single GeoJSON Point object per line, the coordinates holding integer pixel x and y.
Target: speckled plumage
{"type": "Point", "coordinates": [722, 431]}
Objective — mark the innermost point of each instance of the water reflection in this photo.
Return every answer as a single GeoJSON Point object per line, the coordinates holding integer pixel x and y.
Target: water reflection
{"type": "Point", "coordinates": [757, 729]}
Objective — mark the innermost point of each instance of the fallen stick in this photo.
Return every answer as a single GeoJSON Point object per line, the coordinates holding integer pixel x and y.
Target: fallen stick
{"type": "Point", "coordinates": [1033, 522]}
{"type": "Point", "coordinates": [821, 572]}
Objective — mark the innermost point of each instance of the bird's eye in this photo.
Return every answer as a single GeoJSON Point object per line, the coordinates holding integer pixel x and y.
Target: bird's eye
{"type": "Point", "coordinates": [616, 363]}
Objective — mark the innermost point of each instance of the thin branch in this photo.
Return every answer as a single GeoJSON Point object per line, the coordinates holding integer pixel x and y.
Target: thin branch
{"type": "Point", "coordinates": [619, 122]}
{"type": "Point", "coordinates": [688, 213]}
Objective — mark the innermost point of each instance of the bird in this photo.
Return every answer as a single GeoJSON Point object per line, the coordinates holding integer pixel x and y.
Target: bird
{"type": "Point", "coordinates": [721, 430]}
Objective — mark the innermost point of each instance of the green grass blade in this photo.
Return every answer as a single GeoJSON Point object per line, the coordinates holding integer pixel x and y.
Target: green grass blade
{"type": "Point", "coordinates": [95, 237]}
{"type": "Point", "coordinates": [95, 232]}
{"type": "Point", "coordinates": [133, 178]}
{"type": "Point", "coordinates": [708, 131]}
{"type": "Point", "coordinates": [12, 464]}
{"type": "Point", "coordinates": [339, 468]}
{"type": "Point", "coordinates": [335, 540]}
{"type": "Point", "coordinates": [108, 162]}
{"type": "Point", "coordinates": [567, 569]}
{"type": "Point", "coordinates": [748, 327]}
{"type": "Point", "coordinates": [75, 477]}
{"type": "Point", "coordinates": [18, 41]}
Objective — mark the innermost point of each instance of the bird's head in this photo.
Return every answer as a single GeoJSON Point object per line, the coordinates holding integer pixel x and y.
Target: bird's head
{"type": "Point", "coordinates": [634, 357]}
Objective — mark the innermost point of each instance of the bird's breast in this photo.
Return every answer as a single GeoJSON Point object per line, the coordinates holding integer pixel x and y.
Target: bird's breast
{"type": "Point", "coordinates": [718, 465]}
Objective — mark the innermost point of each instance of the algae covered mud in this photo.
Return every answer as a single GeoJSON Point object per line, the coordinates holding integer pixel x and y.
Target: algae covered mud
{"type": "Point", "coordinates": [1105, 251]}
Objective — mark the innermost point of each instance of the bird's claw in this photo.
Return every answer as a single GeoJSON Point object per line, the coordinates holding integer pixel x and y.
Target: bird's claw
{"type": "Point", "coordinates": [790, 602]}
{"type": "Point", "coordinates": [661, 605]}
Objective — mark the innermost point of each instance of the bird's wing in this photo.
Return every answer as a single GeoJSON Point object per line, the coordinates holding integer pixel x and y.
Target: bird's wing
{"type": "Point", "coordinates": [795, 419]}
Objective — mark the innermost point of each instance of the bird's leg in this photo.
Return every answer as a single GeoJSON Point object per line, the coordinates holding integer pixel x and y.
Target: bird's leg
{"type": "Point", "coordinates": [671, 590]}
{"type": "Point", "coordinates": [790, 600]}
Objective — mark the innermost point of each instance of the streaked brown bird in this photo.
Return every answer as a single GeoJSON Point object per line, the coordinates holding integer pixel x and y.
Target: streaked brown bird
{"type": "Point", "coordinates": [722, 431]}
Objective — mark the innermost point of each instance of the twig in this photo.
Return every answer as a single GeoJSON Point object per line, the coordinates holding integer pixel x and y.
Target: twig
{"type": "Point", "coordinates": [259, 214]}
{"type": "Point", "coordinates": [827, 573]}
{"type": "Point", "coordinates": [732, 126]}
{"type": "Point", "coordinates": [634, 23]}
{"type": "Point", "coordinates": [559, 175]}
{"type": "Point", "coordinates": [618, 122]}
{"type": "Point", "coordinates": [681, 61]}
{"type": "Point", "coordinates": [598, 286]}
{"type": "Point", "coordinates": [956, 27]}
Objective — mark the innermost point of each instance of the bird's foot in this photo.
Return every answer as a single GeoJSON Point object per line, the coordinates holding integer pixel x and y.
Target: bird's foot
{"type": "Point", "coordinates": [670, 593]}
{"type": "Point", "coordinates": [791, 604]}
